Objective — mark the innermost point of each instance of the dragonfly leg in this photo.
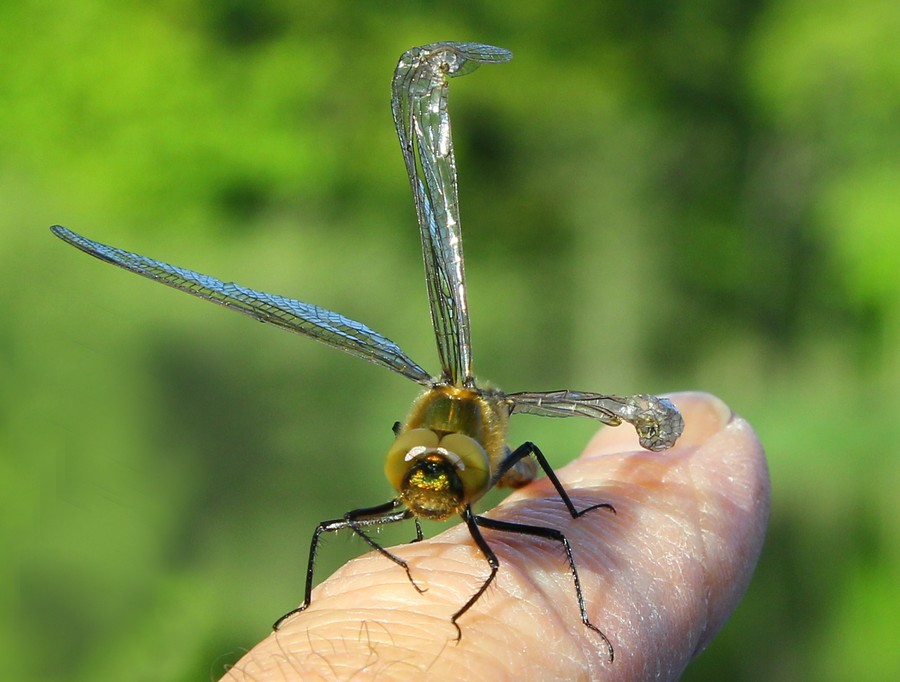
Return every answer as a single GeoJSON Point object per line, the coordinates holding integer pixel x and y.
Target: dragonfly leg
{"type": "Point", "coordinates": [356, 526]}
{"type": "Point", "coordinates": [472, 523]}
{"type": "Point", "coordinates": [529, 448]}
{"type": "Point", "coordinates": [378, 516]}
{"type": "Point", "coordinates": [356, 520]}
{"type": "Point", "coordinates": [537, 531]}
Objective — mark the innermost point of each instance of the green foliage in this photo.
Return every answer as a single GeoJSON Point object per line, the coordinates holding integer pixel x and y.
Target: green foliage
{"type": "Point", "coordinates": [665, 195]}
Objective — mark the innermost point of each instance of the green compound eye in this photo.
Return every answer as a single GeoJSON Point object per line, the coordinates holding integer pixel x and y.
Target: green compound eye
{"type": "Point", "coordinates": [397, 464]}
{"type": "Point", "coordinates": [471, 462]}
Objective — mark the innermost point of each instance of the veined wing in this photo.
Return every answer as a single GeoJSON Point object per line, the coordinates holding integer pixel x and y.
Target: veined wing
{"type": "Point", "coordinates": [419, 106]}
{"type": "Point", "coordinates": [657, 421]}
{"type": "Point", "coordinates": [303, 318]}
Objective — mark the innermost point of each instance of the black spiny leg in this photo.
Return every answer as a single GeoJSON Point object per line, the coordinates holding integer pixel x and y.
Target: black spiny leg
{"type": "Point", "coordinates": [356, 520]}
{"type": "Point", "coordinates": [537, 531]}
{"type": "Point", "coordinates": [529, 448]}
{"type": "Point", "coordinates": [472, 523]}
{"type": "Point", "coordinates": [372, 516]}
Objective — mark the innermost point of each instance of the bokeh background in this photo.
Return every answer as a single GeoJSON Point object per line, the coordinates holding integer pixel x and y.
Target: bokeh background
{"type": "Point", "coordinates": [655, 196]}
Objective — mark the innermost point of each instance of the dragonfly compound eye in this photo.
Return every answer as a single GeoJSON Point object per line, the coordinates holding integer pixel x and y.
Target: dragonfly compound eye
{"type": "Point", "coordinates": [397, 462]}
{"type": "Point", "coordinates": [471, 463]}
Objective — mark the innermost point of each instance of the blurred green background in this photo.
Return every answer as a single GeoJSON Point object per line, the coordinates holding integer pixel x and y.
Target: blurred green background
{"type": "Point", "coordinates": [656, 196]}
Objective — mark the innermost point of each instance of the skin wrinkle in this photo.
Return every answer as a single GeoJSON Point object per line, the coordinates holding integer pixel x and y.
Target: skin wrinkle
{"type": "Point", "coordinates": [550, 557]}
{"type": "Point", "coordinates": [695, 519]}
{"type": "Point", "coordinates": [552, 568]}
{"type": "Point", "coordinates": [516, 577]}
{"type": "Point", "coordinates": [662, 549]}
{"type": "Point", "coordinates": [511, 551]}
{"type": "Point", "coordinates": [747, 538]}
{"type": "Point", "coordinates": [356, 654]}
{"type": "Point", "coordinates": [525, 571]}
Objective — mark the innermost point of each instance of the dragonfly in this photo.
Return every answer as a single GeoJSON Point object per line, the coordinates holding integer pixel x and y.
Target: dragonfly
{"type": "Point", "coordinates": [452, 448]}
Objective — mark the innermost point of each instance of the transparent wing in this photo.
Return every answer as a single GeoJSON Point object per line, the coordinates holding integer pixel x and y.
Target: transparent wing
{"type": "Point", "coordinates": [321, 324]}
{"type": "Point", "coordinates": [419, 106]}
{"type": "Point", "coordinates": [657, 421]}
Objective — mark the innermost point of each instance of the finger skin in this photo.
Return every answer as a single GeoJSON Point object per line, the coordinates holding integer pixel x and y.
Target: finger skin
{"type": "Point", "coordinates": [660, 576]}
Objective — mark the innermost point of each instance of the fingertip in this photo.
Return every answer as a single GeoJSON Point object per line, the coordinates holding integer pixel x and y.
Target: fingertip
{"type": "Point", "coordinates": [696, 516]}
{"type": "Point", "coordinates": [705, 415]}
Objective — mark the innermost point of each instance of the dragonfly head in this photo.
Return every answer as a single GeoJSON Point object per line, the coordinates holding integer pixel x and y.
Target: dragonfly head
{"type": "Point", "coordinates": [437, 475]}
